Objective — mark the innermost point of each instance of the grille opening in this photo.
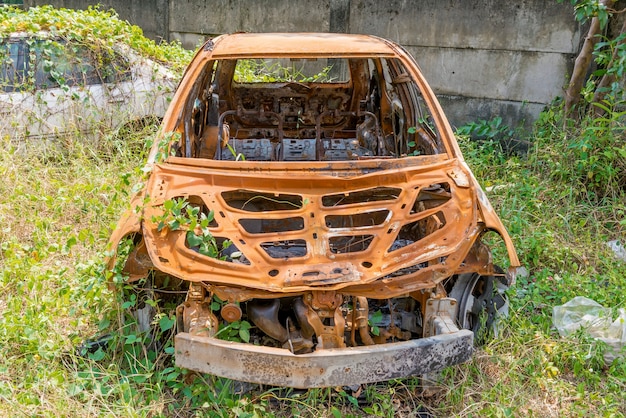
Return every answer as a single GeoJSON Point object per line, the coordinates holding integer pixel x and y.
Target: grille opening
{"type": "Point", "coordinates": [223, 249]}
{"type": "Point", "coordinates": [431, 197]}
{"type": "Point", "coordinates": [263, 226]}
{"type": "Point", "coordinates": [357, 220]}
{"type": "Point", "coordinates": [197, 202]}
{"type": "Point", "coordinates": [285, 250]}
{"type": "Point", "coordinates": [349, 244]}
{"type": "Point", "coordinates": [253, 201]}
{"type": "Point", "coordinates": [231, 253]}
{"type": "Point", "coordinates": [377, 194]}
{"type": "Point", "coordinates": [418, 230]}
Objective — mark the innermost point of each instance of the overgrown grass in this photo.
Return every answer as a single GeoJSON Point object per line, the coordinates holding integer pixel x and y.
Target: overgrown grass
{"type": "Point", "coordinates": [560, 225]}
{"type": "Point", "coordinates": [561, 203]}
{"type": "Point", "coordinates": [56, 216]}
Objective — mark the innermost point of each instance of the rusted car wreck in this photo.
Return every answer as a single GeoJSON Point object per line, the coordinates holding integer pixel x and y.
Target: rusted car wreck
{"type": "Point", "coordinates": [312, 186]}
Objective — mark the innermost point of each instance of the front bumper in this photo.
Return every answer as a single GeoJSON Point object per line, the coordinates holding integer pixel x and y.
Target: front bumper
{"type": "Point", "coordinates": [322, 368]}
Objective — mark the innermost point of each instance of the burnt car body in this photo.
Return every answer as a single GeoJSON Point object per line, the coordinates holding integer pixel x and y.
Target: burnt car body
{"type": "Point", "coordinates": [312, 186]}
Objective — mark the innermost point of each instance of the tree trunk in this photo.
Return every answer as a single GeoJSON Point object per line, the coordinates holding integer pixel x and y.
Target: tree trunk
{"type": "Point", "coordinates": [583, 61]}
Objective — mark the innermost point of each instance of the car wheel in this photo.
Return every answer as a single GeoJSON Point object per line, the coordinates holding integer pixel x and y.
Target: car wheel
{"type": "Point", "coordinates": [481, 302]}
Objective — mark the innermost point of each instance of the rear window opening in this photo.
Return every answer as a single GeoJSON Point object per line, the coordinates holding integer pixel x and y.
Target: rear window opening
{"type": "Point", "coordinates": [298, 70]}
{"type": "Point", "coordinates": [293, 109]}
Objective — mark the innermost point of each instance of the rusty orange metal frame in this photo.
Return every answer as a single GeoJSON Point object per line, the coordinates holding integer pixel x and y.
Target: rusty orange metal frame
{"type": "Point", "coordinates": [374, 226]}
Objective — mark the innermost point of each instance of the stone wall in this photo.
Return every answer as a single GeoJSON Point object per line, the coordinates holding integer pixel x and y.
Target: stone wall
{"type": "Point", "coordinates": [484, 58]}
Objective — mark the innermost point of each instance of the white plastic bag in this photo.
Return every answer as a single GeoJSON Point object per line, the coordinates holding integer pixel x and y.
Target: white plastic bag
{"type": "Point", "coordinates": [582, 312]}
{"type": "Point", "coordinates": [616, 337]}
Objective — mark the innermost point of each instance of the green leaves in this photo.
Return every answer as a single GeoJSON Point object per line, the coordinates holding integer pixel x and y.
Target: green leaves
{"type": "Point", "coordinates": [587, 9]}
{"type": "Point", "coordinates": [194, 240]}
{"type": "Point", "coordinates": [163, 149]}
{"type": "Point", "coordinates": [131, 302]}
{"type": "Point", "coordinates": [244, 333]}
{"type": "Point", "coordinates": [238, 331]}
{"type": "Point", "coordinates": [271, 71]}
{"type": "Point", "coordinates": [493, 129]}
{"type": "Point", "coordinates": [374, 319]}
{"type": "Point", "coordinates": [93, 27]}
{"type": "Point", "coordinates": [178, 214]}
{"type": "Point", "coordinates": [166, 323]}
{"type": "Point", "coordinates": [173, 216]}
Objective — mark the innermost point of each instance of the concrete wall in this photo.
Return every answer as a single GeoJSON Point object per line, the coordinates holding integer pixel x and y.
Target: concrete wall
{"type": "Point", "coordinates": [484, 58]}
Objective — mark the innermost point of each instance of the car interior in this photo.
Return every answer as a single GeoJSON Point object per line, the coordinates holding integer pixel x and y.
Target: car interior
{"type": "Point", "coordinates": [324, 109]}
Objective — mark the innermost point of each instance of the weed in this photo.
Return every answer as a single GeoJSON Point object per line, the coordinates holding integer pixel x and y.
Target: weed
{"type": "Point", "coordinates": [55, 295]}
{"type": "Point", "coordinates": [178, 214]}
{"type": "Point", "coordinates": [90, 26]}
{"type": "Point", "coordinates": [486, 130]}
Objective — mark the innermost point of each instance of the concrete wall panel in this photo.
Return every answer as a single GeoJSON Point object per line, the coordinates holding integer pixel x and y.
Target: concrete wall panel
{"type": "Point", "coordinates": [534, 25]}
{"type": "Point", "coordinates": [498, 75]}
{"type": "Point", "coordinates": [215, 17]}
{"type": "Point", "coordinates": [461, 110]}
{"type": "Point", "coordinates": [486, 57]}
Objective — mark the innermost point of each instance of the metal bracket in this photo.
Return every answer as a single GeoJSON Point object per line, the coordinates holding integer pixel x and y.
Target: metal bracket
{"type": "Point", "coordinates": [439, 317]}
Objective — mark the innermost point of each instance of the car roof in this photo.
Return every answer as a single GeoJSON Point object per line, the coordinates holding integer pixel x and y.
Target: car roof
{"type": "Point", "coordinates": [299, 44]}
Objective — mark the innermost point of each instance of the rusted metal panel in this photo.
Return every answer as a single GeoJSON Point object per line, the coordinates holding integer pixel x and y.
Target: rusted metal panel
{"type": "Point", "coordinates": [312, 201]}
{"type": "Point", "coordinates": [299, 45]}
{"type": "Point", "coordinates": [324, 368]}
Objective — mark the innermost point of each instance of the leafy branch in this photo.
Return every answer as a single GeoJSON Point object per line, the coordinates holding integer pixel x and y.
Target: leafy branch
{"type": "Point", "coordinates": [178, 214]}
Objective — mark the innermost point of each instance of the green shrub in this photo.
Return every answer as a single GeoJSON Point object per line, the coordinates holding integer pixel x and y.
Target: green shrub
{"type": "Point", "coordinates": [92, 26]}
